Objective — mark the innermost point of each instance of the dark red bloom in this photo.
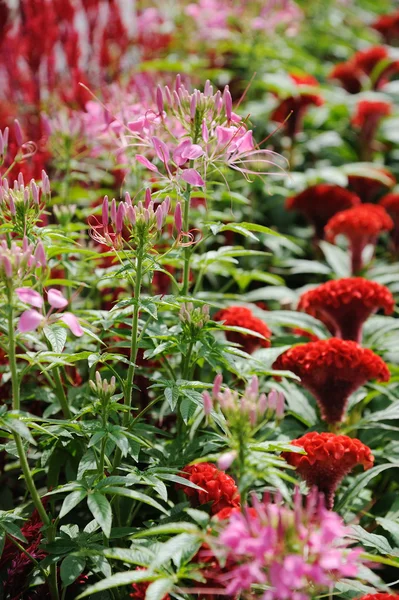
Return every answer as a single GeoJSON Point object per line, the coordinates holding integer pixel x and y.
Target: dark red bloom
{"type": "Point", "coordinates": [219, 488]}
{"type": "Point", "coordinates": [211, 571]}
{"type": "Point", "coordinates": [362, 65]}
{"type": "Point", "coordinates": [367, 118]}
{"type": "Point", "coordinates": [379, 596]}
{"type": "Point", "coordinates": [140, 589]}
{"type": "Point", "coordinates": [240, 316]}
{"type": "Point", "coordinates": [368, 187]}
{"type": "Point", "coordinates": [329, 458]}
{"type": "Point", "coordinates": [349, 75]}
{"type": "Point", "coordinates": [320, 202]}
{"type": "Point", "coordinates": [332, 370]}
{"type": "Point", "coordinates": [297, 105]}
{"type": "Point", "coordinates": [346, 304]}
{"type": "Point", "coordinates": [361, 225]}
{"type": "Point", "coordinates": [388, 27]}
{"type": "Point", "coordinates": [391, 204]}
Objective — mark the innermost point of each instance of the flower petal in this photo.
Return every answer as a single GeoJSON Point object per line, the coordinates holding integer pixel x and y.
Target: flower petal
{"type": "Point", "coordinates": [146, 163]}
{"type": "Point", "coordinates": [193, 177]}
{"type": "Point", "coordinates": [29, 320]}
{"type": "Point", "coordinates": [56, 299]}
{"type": "Point", "coordinates": [29, 296]}
{"type": "Point", "coordinates": [73, 323]}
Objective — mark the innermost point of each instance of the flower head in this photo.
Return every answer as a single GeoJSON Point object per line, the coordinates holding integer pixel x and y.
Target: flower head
{"type": "Point", "coordinates": [296, 553]}
{"type": "Point", "coordinates": [379, 596]}
{"type": "Point", "coordinates": [349, 75]}
{"type": "Point", "coordinates": [217, 487]}
{"type": "Point", "coordinates": [240, 316]}
{"type": "Point", "coordinates": [347, 304]}
{"type": "Point", "coordinates": [368, 187]}
{"type": "Point", "coordinates": [367, 110]}
{"type": "Point", "coordinates": [388, 27]}
{"type": "Point", "coordinates": [361, 225]}
{"type": "Point", "coordinates": [391, 204]}
{"type": "Point", "coordinates": [362, 66]}
{"type": "Point", "coordinates": [320, 202]}
{"type": "Point", "coordinates": [328, 459]}
{"type": "Point", "coordinates": [332, 370]}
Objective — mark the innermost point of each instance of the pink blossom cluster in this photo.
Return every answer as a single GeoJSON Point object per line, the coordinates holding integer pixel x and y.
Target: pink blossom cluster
{"type": "Point", "coordinates": [27, 194]}
{"type": "Point", "coordinates": [16, 262]}
{"type": "Point", "coordinates": [293, 554]}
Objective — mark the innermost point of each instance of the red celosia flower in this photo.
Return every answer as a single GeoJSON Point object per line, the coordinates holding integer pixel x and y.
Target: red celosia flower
{"type": "Point", "coordinates": [391, 204]}
{"type": "Point", "coordinates": [212, 572]}
{"type": "Point", "coordinates": [240, 316]}
{"type": "Point", "coordinates": [367, 188]}
{"type": "Point", "coordinates": [388, 27]}
{"type": "Point", "coordinates": [362, 226]}
{"type": "Point", "coordinates": [320, 202]}
{"type": "Point", "coordinates": [218, 487]}
{"type": "Point", "coordinates": [332, 370]}
{"type": "Point", "coordinates": [347, 304]}
{"type": "Point", "coordinates": [349, 75]}
{"type": "Point", "coordinates": [367, 118]}
{"type": "Point", "coordinates": [362, 65]}
{"type": "Point", "coordinates": [140, 589]}
{"type": "Point", "coordinates": [297, 105]}
{"type": "Point", "coordinates": [379, 596]}
{"type": "Point", "coordinates": [329, 458]}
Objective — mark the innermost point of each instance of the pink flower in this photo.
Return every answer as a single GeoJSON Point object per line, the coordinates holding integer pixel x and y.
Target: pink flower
{"type": "Point", "coordinates": [146, 163]}
{"type": "Point", "coordinates": [29, 296]}
{"type": "Point", "coordinates": [56, 299]}
{"type": "Point", "coordinates": [73, 323]}
{"type": "Point", "coordinates": [30, 320]}
{"type": "Point", "coordinates": [192, 177]}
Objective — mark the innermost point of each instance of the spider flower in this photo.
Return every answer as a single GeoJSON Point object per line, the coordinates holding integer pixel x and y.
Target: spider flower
{"type": "Point", "coordinates": [391, 204]}
{"type": "Point", "coordinates": [374, 64]}
{"type": "Point", "coordinates": [346, 304]}
{"type": "Point", "coordinates": [22, 204]}
{"type": "Point", "coordinates": [240, 316]}
{"type": "Point", "coordinates": [292, 110]}
{"type": "Point", "coordinates": [361, 225]}
{"type": "Point", "coordinates": [328, 459]}
{"type": "Point", "coordinates": [332, 370]}
{"type": "Point", "coordinates": [217, 487]}
{"type": "Point", "coordinates": [320, 202]}
{"type": "Point", "coordinates": [17, 262]}
{"type": "Point", "coordinates": [388, 27]}
{"type": "Point", "coordinates": [297, 553]}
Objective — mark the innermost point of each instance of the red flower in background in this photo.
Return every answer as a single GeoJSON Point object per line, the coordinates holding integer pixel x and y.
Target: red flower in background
{"type": "Point", "coordinates": [240, 316]}
{"type": "Point", "coordinates": [140, 589]}
{"type": "Point", "coordinates": [367, 118]}
{"type": "Point", "coordinates": [379, 596]}
{"type": "Point", "coordinates": [218, 487]}
{"type": "Point", "coordinates": [391, 204]}
{"type": "Point", "coordinates": [361, 67]}
{"type": "Point", "coordinates": [332, 370]}
{"type": "Point", "coordinates": [367, 188]}
{"type": "Point", "coordinates": [388, 27]}
{"type": "Point", "coordinates": [329, 458]}
{"type": "Point", "coordinates": [347, 304]}
{"type": "Point", "coordinates": [297, 105]}
{"type": "Point", "coordinates": [361, 225]}
{"type": "Point", "coordinates": [320, 202]}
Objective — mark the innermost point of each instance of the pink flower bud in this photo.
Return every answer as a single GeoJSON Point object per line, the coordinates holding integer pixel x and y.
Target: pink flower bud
{"type": "Point", "coordinates": [178, 82]}
{"type": "Point", "coordinates": [176, 98]}
{"type": "Point", "coordinates": [168, 95]}
{"type": "Point", "coordinates": [262, 404]}
{"type": "Point", "coordinates": [193, 106]}
{"type": "Point", "coordinates": [113, 211]}
{"type": "Point", "coordinates": [128, 199]}
{"type": "Point", "coordinates": [147, 198]}
{"type": "Point", "coordinates": [159, 218]}
{"type": "Point", "coordinates": [56, 299]}
{"type": "Point", "coordinates": [217, 382]}
{"type": "Point", "coordinates": [35, 191]}
{"type": "Point", "coordinates": [18, 133]}
{"type": "Point", "coordinates": [178, 217]}
{"type": "Point", "coordinates": [120, 215]}
{"type": "Point", "coordinates": [205, 132]}
{"type": "Point", "coordinates": [280, 406]}
{"type": "Point", "coordinates": [45, 184]}
{"type": "Point", "coordinates": [12, 206]}
{"type": "Point", "coordinates": [208, 90]}
{"type": "Point", "coordinates": [26, 195]}
{"type": "Point", "coordinates": [40, 255]}
{"type": "Point", "coordinates": [272, 400]}
{"type": "Point", "coordinates": [207, 403]}
{"type": "Point", "coordinates": [7, 267]}
{"type": "Point", "coordinates": [104, 212]}
{"type": "Point", "coordinates": [5, 184]}
{"type": "Point", "coordinates": [131, 214]}
{"type": "Point", "coordinates": [228, 102]}
{"type": "Point", "coordinates": [159, 100]}
{"type": "Point", "coordinates": [226, 460]}
{"type": "Point", "coordinates": [2, 145]}
{"type": "Point", "coordinates": [254, 386]}
{"type": "Point", "coordinates": [21, 182]}
{"type": "Point", "coordinates": [165, 206]}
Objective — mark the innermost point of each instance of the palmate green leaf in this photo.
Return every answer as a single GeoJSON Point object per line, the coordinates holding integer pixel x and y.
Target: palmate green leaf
{"type": "Point", "coordinates": [361, 482]}
{"type": "Point", "coordinates": [159, 589]}
{"type": "Point", "coordinates": [117, 580]}
{"type": "Point", "coordinates": [101, 510]}
{"type": "Point", "coordinates": [71, 567]}
{"type": "Point", "coordinates": [56, 336]}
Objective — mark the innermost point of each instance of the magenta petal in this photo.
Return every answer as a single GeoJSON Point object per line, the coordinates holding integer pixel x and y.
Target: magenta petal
{"type": "Point", "coordinates": [73, 323]}
{"type": "Point", "coordinates": [56, 299]}
{"type": "Point", "coordinates": [29, 296]}
{"type": "Point", "coordinates": [193, 177]}
{"type": "Point", "coordinates": [146, 163]}
{"type": "Point", "coordinates": [29, 320]}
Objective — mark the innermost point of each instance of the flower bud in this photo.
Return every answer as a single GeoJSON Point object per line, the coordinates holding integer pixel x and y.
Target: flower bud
{"type": "Point", "coordinates": [178, 217]}
{"type": "Point", "coordinates": [217, 382]}
{"type": "Point", "coordinates": [226, 460]}
{"type": "Point", "coordinates": [18, 133]}
{"type": "Point", "coordinates": [159, 100]}
{"type": "Point", "coordinates": [207, 403]}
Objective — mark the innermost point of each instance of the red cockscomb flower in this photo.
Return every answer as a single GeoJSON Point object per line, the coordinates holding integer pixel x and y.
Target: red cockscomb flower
{"type": "Point", "coordinates": [320, 202]}
{"type": "Point", "coordinates": [367, 118]}
{"type": "Point", "coordinates": [391, 204]}
{"type": "Point", "coordinates": [349, 75]}
{"type": "Point", "coordinates": [362, 226]}
{"type": "Point", "coordinates": [361, 66]}
{"type": "Point", "coordinates": [332, 370]}
{"type": "Point", "coordinates": [140, 589]}
{"type": "Point", "coordinates": [240, 316]}
{"type": "Point", "coordinates": [379, 596]}
{"type": "Point", "coordinates": [347, 304]}
{"type": "Point", "coordinates": [218, 487]}
{"type": "Point", "coordinates": [297, 105]}
{"type": "Point", "coordinates": [367, 188]}
{"type": "Point", "coordinates": [329, 458]}
{"type": "Point", "coordinates": [388, 27]}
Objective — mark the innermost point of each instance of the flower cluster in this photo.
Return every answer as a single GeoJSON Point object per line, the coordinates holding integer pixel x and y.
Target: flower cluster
{"type": "Point", "coordinates": [295, 553]}
{"type": "Point", "coordinates": [380, 596]}
{"type": "Point", "coordinates": [240, 316]}
{"type": "Point", "coordinates": [345, 304]}
{"type": "Point", "coordinates": [328, 459]}
{"type": "Point", "coordinates": [22, 204]}
{"type": "Point", "coordinates": [17, 262]}
{"type": "Point", "coordinates": [320, 202]}
{"type": "Point", "coordinates": [216, 487]}
{"type": "Point", "coordinates": [361, 225]}
{"type": "Point", "coordinates": [363, 66]}
{"type": "Point", "coordinates": [332, 370]}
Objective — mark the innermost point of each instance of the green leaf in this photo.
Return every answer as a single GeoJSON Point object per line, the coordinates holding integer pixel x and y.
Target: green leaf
{"type": "Point", "coordinates": [174, 548]}
{"type": "Point", "coordinates": [361, 482]}
{"type": "Point", "coordinates": [101, 510]}
{"type": "Point", "coordinates": [391, 526]}
{"type": "Point", "coordinates": [56, 336]}
{"type": "Point", "coordinates": [171, 396]}
{"type": "Point", "coordinates": [371, 540]}
{"type": "Point", "coordinates": [169, 528]}
{"type": "Point", "coordinates": [117, 580]}
{"type": "Point", "coordinates": [133, 495]}
{"type": "Point", "coordinates": [72, 500]}
{"type": "Point", "coordinates": [157, 590]}
{"type": "Point", "coordinates": [17, 426]}
{"type": "Point", "coordinates": [71, 568]}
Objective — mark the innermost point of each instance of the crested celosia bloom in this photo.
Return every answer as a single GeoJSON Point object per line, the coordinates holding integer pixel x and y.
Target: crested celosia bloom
{"type": "Point", "coordinates": [296, 554]}
{"type": "Point", "coordinates": [292, 109]}
{"type": "Point", "coordinates": [332, 370]}
{"type": "Point", "coordinates": [217, 487]}
{"type": "Point", "coordinates": [361, 225]}
{"type": "Point", "coordinates": [31, 319]}
{"type": "Point", "coordinates": [367, 118]}
{"type": "Point", "coordinates": [361, 66]}
{"type": "Point", "coordinates": [320, 202]}
{"type": "Point", "coordinates": [328, 459]}
{"type": "Point", "coordinates": [379, 596]}
{"type": "Point", "coordinates": [368, 187]}
{"type": "Point", "coordinates": [391, 204]}
{"type": "Point", "coordinates": [388, 27]}
{"type": "Point", "coordinates": [347, 304]}
{"type": "Point", "coordinates": [240, 316]}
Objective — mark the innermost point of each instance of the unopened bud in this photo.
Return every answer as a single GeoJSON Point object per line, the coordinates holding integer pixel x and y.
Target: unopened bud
{"type": "Point", "coordinates": [18, 133]}
{"type": "Point", "coordinates": [159, 100]}
{"type": "Point", "coordinates": [45, 184]}
{"type": "Point", "coordinates": [178, 217]}
{"type": "Point", "coordinates": [217, 382]}
{"type": "Point", "coordinates": [207, 400]}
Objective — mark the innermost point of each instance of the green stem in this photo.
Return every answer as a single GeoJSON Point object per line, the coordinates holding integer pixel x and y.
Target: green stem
{"type": "Point", "coordinates": [63, 400]}
{"type": "Point", "coordinates": [102, 456]}
{"type": "Point", "coordinates": [187, 249]}
{"type": "Point", "coordinates": [30, 484]}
